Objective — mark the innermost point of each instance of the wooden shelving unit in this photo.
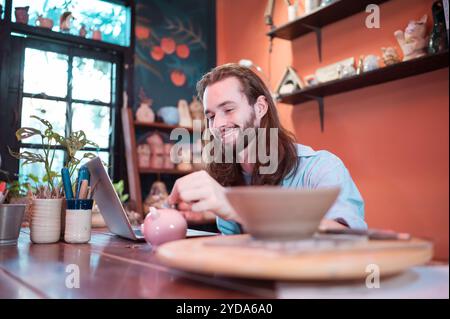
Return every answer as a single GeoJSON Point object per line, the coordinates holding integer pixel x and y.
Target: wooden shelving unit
{"type": "Point", "coordinates": [338, 10]}
{"type": "Point", "coordinates": [157, 125]}
{"type": "Point", "coordinates": [382, 75]}
{"type": "Point", "coordinates": [133, 170]}
{"type": "Point", "coordinates": [163, 171]}
{"type": "Point", "coordinates": [321, 17]}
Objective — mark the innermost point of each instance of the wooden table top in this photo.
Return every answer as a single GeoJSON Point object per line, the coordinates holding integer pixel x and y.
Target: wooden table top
{"type": "Point", "coordinates": [109, 267]}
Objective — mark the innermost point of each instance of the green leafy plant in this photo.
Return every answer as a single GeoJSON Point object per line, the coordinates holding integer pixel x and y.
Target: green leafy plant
{"type": "Point", "coordinates": [50, 140]}
{"type": "Point", "coordinates": [119, 188]}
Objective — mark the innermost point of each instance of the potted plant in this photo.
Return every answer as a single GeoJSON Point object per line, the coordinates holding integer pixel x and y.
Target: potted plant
{"type": "Point", "coordinates": [47, 198]}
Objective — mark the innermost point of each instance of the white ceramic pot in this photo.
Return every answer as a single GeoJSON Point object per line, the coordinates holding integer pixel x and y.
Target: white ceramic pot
{"type": "Point", "coordinates": [45, 225]}
{"type": "Point", "coordinates": [78, 226]}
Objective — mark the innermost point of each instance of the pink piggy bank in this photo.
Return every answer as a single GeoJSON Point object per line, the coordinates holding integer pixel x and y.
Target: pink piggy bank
{"type": "Point", "coordinates": [163, 225]}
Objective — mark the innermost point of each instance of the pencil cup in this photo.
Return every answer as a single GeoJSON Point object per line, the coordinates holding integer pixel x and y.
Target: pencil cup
{"type": "Point", "coordinates": [78, 221]}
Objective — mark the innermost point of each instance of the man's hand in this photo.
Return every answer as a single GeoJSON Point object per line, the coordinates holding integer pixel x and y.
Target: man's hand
{"type": "Point", "coordinates": [326, 224]}
{"type": "Point", "coordinates": [195, 218]}
{"type": "Point", "coordinates": [203, 193]}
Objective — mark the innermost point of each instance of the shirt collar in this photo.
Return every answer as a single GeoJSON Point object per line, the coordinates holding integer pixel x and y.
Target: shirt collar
{"type": "Point", "coordinates": [305, 151]}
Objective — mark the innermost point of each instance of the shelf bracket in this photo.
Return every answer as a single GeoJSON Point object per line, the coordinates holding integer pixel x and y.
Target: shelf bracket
{"type": "Point", "coordinates": [319, 100]}
{"type": "Point", "coordinates": [318, 32]}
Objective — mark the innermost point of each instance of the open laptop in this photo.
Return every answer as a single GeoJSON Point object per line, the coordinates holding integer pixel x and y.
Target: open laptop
{"type": "Point", "coordinates": [111, 208]}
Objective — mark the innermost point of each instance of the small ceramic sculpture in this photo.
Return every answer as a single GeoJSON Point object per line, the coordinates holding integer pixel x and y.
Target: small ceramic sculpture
{"type": "Point", "coordinates": [169, 115]}
{"type": "Point", "coordinates": [65, 20]}
{"type": "Point", "coordinates": [143, 152]}
{"type": "Point", "coordinates": [46, 23]}
{"type": "Point", "coordinates": [144, 113]}
{"type": "Point", "coordinates": [156, 143]}
{"type": "Point", "coordinates": [413, 41]}
{"type": "Point", "coordinates": [185, 115]}
{"type": "Point", "coordinates": [438, 39]}
{"type": "Point", "coordinates": [163, 225]}
{"type": "Point", "coordinates": [196, 109]}
{"type": "Point", "coordinates": [21, 14]}
{"type": "Point", "coordinates": [156, 197]}
{"type": "Point", "coordinates": [346, 71]}
{"type": "Point", "coordinates": [96, 35]}
{"type": "Point", "coordinates": [83, 31]}
{"type": "Point", "coordinates": [390, 56]}
{"type": "Point", "coordinates": [360, 66]}
{"type": "Point", "coordinates": [185, 157]}
{"type": "Point", "coordinates": [168, 164]}
{"type": "Point", "coordinates": [370, 63]}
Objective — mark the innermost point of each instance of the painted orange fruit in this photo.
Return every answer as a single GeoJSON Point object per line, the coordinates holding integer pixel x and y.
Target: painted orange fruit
{"type": "Point", "coordinates": [168, 45]}
{"type": "Point", "coordinates": [183, 51]}
{"type": "Point", "coordinates": [157, 53]}
{"type": "Point", "coordinates": [142, 32]}
{"type": "Point", "coordinates": [178, 78]}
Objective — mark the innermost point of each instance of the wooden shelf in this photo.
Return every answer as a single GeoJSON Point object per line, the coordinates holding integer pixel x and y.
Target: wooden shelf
{"type": "Point", "coordinates": [321, 17]}
{"type": "Point", "coordinates": [163, 171]}
{"type": "Point", "coordinates": [59, 36]}
{"type": "Point", "coordinates": [158, 125]}
{"type": "Point", "coordinates": [386, 74]}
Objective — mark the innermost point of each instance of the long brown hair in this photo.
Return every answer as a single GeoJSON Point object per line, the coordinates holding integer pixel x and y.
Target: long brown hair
{"type": "Point", "coordinates": [230, 174]}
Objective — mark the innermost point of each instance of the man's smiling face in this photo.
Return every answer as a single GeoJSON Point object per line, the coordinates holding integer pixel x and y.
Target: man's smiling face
{"type": "Point", "coordinates": [227, 110]}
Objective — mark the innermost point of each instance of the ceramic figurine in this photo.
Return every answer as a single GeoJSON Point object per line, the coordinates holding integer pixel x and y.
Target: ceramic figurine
{"type": "Point", "coordinates": [156, 197]}
{"type": "Point", "coordinates": [370, 63]}
{"type": "Point", "coordinates": [83, 31]}
{"type": "Point", "coordinates": [46, 23]}
{"type": "Point", "coordinates": [169, 115]}
{"type": "Point", "coordinates": [390, 56]}
{"type": "Point", "coordinates": [311, 5]}
{"type": "Point", "coordinates": [96, 35]}
{"type": "Point", "coordinates": [438, 39]}
{"type": "Point", "coordinates": [185, 157]}
{"type": "Point", "coordinates": [163, 225]}
{"type": "Point", "coordinates": [346, 71]}
{"type": "Point", "coordinates": [21, 14]}
{"type": "Point", "coordinates": [413, 41]}
{"type": "Point", "coordinates": [325, 3]}
{"type": "Point", "coordinates": [168, 164]}
{"type": "Point", "coordinates": [185, 115]}
{"type": "Point", "coordinates": [143, 152]}
{"type": "Point", "coordinates": [197, 114]}
{"type": "Point", "coordinates": [65, 21]}
{"type": "Point", "coordinates": [292, 10]}
{"type": "Point", "coordinates": [144, 113]}
{"type": "Point", "coordinates": [360, 66]}
{"type": "Point", "coordinates": [156, 144]}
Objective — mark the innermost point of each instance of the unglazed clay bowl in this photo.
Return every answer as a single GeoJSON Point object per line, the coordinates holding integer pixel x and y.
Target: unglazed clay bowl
{"type": "Point", "coordinates": [271, 212]}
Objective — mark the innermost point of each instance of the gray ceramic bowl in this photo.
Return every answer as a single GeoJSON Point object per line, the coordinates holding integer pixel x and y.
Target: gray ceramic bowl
{"type": "Point", "coordinates": [11, 216]}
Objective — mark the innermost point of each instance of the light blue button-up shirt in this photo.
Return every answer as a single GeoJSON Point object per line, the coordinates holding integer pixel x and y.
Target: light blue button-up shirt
{"type": "Point", "coordinates": [318, 169]}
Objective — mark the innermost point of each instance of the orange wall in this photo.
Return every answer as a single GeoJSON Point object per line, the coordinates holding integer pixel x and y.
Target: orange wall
{"type": "Point", "coordinates": [394, 137]}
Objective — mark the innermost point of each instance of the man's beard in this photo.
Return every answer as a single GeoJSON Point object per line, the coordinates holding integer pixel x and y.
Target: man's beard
{"type": "Point", "coordinates": [240, 140]}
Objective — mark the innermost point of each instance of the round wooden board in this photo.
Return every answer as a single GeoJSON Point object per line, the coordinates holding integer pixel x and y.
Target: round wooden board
{"type": "Point", "coordinates": [233, 256]}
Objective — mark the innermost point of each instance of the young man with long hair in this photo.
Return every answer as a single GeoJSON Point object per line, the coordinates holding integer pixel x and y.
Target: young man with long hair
{"type": "Point", "coordinates": [236, 100]}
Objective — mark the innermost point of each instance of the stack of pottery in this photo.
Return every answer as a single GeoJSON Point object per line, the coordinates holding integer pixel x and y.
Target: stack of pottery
{"type": "Point", "coordinates": [168, 164]}
{"type": "Point", "coordinates": [156, 151]}
{"type": "Point", "coordinates": [45, 225]}
{"type": "Point", "coordinates": [143, 152]}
